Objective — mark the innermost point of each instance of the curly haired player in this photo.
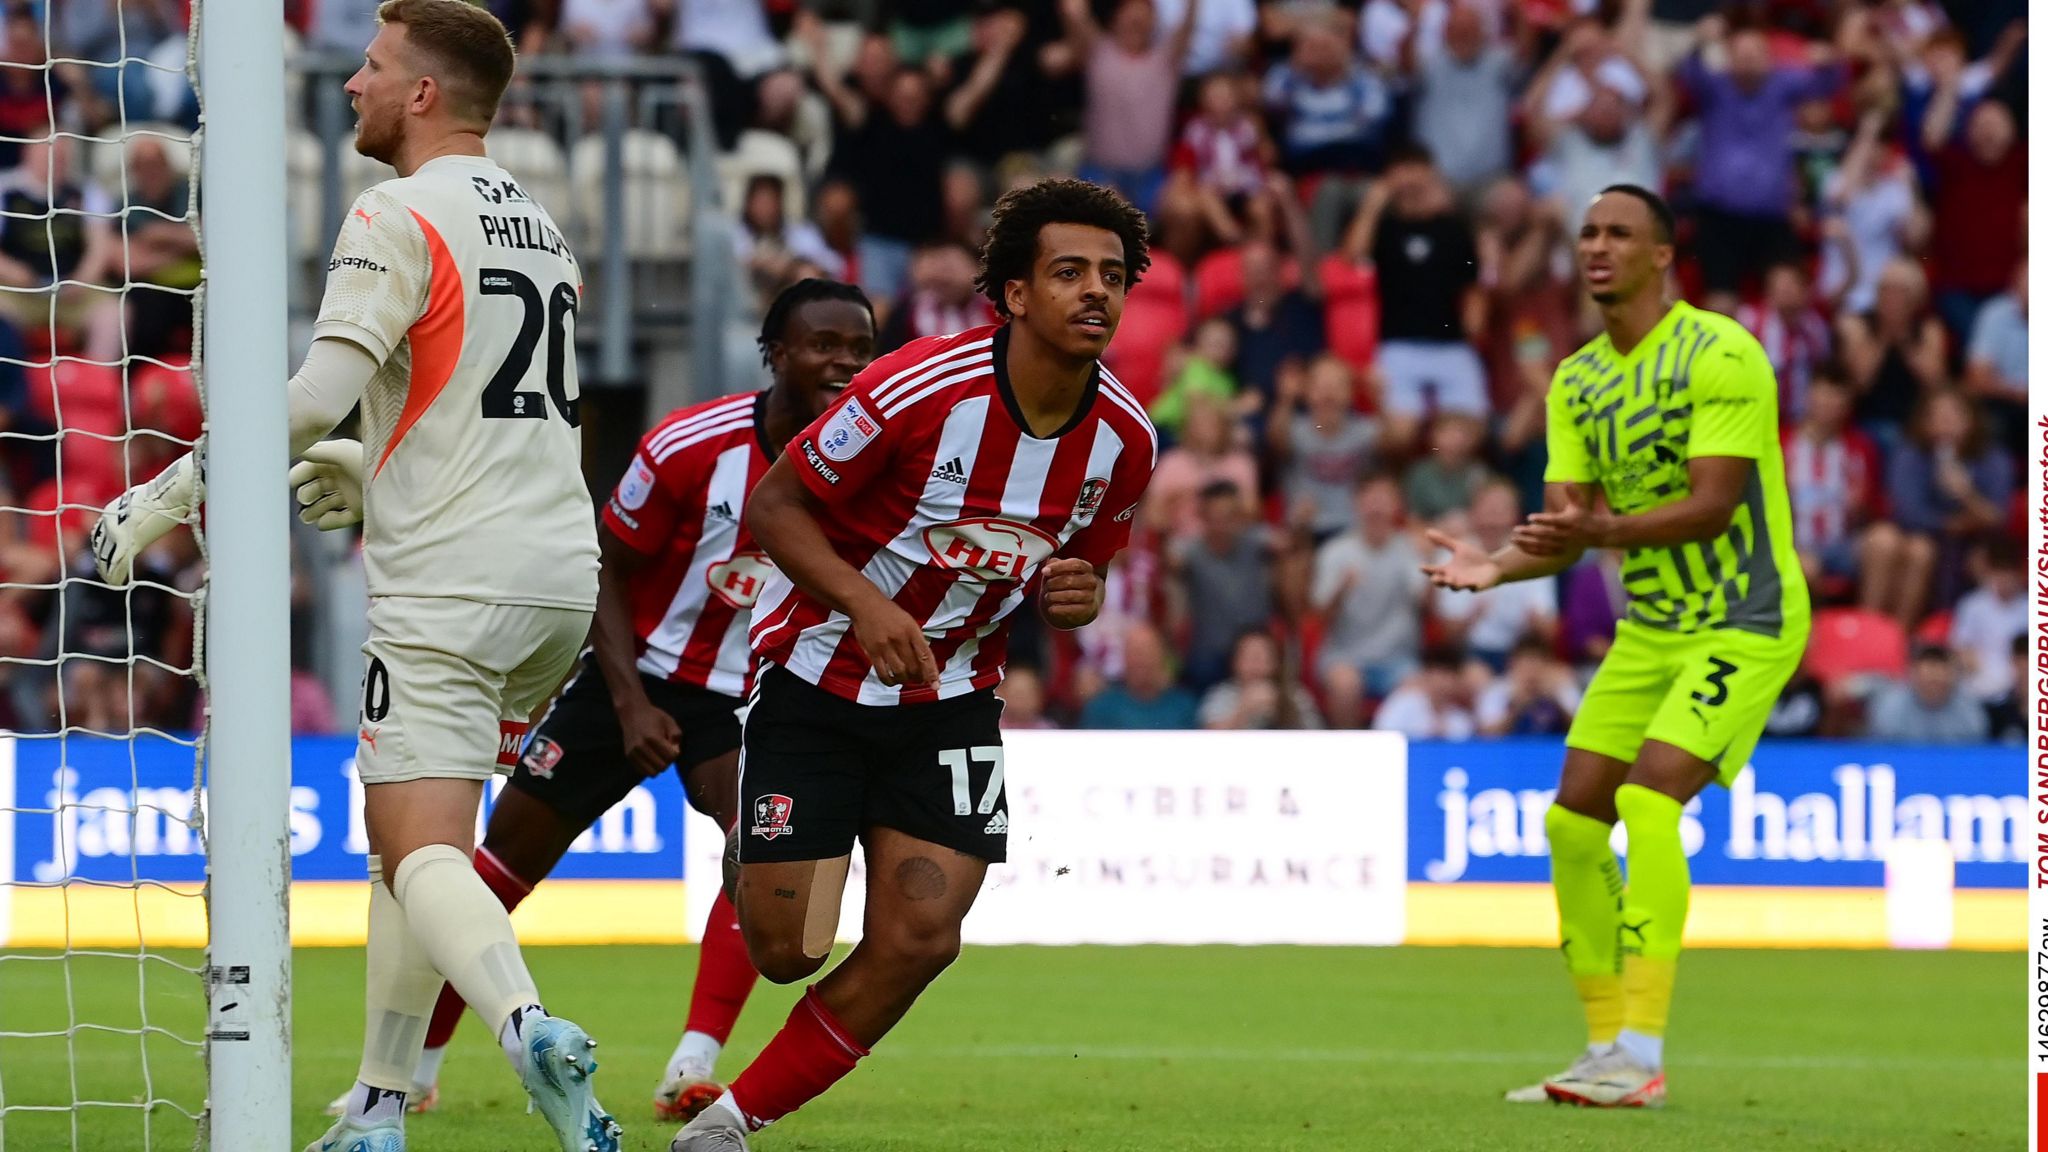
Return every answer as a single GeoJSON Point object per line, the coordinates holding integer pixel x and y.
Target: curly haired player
{"type": "Point", "coordinates": [958, 477]}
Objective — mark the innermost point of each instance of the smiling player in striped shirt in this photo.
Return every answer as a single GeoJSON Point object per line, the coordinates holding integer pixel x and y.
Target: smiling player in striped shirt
{"type": "Point", "coordinates": [957, 477]}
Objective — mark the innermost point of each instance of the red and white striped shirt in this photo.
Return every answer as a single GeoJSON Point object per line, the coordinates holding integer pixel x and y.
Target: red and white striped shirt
{"type": "Point", "coordinates": [943, 501]}
{"type": "Point", "coordinates": [1833, 485]}
{"type": "Point", "coordinates": [682, 504]}
{"type": "Point", "coordinates": [1796, 345]}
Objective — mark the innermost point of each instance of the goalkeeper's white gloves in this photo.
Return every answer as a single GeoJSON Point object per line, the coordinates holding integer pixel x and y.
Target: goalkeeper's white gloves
{"type": "Point", "coordinates": [328, 481]}
{"type": "Point", "coordinates": [141, 516]}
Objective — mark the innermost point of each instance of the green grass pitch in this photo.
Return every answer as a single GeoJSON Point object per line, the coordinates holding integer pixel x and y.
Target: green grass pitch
{"type": "Point", "coordinates": [1151, 1050]}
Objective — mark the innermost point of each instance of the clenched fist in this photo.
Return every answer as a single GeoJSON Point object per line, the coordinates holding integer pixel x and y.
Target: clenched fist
{"type": "Point", "coordinates": [1069, 592]}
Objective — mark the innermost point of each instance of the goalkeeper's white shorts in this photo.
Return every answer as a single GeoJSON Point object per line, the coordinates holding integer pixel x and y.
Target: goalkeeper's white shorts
{"type": "Point", "coordinates": [450, 684]}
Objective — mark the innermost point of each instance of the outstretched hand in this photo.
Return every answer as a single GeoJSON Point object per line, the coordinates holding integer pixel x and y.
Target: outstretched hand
{"type": "Point", "coordinates": [1466, 569]}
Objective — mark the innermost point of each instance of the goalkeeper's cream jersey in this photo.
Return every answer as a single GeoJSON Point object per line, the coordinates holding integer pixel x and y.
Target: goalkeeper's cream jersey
{"type": "Point", "coordinates": [465, 292]}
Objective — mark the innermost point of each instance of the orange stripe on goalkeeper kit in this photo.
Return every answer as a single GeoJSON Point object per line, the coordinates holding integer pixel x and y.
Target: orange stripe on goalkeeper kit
{"type": "Point", "coordinates": [436, 339]}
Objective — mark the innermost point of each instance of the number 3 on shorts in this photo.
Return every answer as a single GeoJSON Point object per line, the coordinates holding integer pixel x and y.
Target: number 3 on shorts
{"type": "Point", "coordinates": [956, 760]}
{"type": "Point", "coordinates": [1717, 682]}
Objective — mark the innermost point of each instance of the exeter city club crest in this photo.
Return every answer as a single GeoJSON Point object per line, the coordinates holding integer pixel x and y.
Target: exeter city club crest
{"type": "Point", "coordinates": [771, 816]}
{"type": "Point", "coordinates": [1092, 492]}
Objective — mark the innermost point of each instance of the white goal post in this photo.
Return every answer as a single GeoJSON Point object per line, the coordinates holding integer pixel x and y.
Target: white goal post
{"type": "Point", "coordinates": [242, 353]}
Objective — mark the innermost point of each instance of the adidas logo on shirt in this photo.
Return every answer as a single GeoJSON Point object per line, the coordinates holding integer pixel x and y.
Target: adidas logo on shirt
{"type": "Point", "coordinates": [998, 825]}
{"type": "Point", "coordinates": [952, 470]}
{"type": "Point", "coordinates": [722, 510]}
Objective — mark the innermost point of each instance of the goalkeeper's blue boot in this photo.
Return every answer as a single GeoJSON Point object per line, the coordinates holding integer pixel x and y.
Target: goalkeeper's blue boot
{"type": "Point", "coordinates": [388, 1136]}
{"type": "Point", "coordinates": [556, 1072]}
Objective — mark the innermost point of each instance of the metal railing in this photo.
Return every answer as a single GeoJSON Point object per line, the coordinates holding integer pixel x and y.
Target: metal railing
{"type": "Point", "coordinates": [622, 154]}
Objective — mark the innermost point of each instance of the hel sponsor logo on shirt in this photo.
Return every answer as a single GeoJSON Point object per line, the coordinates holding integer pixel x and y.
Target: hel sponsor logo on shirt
{"type": "Point", "coordinates": [848, 431]}
{"type": "Point", "coordinates": [738, 581]}
{"type": "Point", "coordinates": [637, 484]}
{"type": "Point", "coordinates": [989, 548]}
{"type": "Point", "coordinates": [541, 758]}
{"type": "Point", "coordinates": [771, 816]}
{"type": "Point", "coordinates": [818, 464]}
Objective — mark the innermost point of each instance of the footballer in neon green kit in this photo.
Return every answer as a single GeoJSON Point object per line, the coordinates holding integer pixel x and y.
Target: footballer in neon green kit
{"type": "Point", "coordinates": [1663, 438]}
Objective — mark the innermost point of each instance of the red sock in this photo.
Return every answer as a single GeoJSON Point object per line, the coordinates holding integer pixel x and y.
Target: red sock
{"type": "Point", "coordinates": [725, 974]}
{"type": "Point", "coordinates": [510, 890]}
{"type": "Point", "coordinates": [809, 1055]}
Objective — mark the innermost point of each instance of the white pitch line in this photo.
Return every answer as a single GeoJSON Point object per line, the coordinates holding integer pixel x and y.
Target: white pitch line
{"type": "Point", "coordinates": [1254, 1056]}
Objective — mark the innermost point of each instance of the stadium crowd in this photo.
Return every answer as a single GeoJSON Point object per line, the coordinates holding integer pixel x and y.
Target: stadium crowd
{"type": "Point", "coordinates": [1362, 281]}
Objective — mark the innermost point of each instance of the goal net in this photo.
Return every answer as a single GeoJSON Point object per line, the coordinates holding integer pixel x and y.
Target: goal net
{"type": "Point", "coordinates": [115, 999]}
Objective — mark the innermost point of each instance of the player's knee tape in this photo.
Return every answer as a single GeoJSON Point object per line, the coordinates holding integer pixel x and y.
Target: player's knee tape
{"type": "Point", "coordinates": [821, 915]}
{"type": "Point", "coordinates": [399, 990]}
{"type": "Point", "coordinates": [1659, 881]}
{"type": "Point", "coordinates": [465, 929]}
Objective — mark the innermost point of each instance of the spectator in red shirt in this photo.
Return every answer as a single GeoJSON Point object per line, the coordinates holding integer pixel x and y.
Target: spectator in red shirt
{"type": "Point", "coordinates": [1833, 474]}
{"type": "Point", "coordinates": [1794, 334]}
{"type": "Point", "coordinates": [1222, 163]}
{"type": "Point", "coordinates": [1980, 185]}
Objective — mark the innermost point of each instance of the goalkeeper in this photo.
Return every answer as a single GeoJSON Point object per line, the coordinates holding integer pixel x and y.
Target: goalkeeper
{"type": "Point", "coordinates": [1670, 419]}
{"type": "Point", "coordinates": [449, 312]}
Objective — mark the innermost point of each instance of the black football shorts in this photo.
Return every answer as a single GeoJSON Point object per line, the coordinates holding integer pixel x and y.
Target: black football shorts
{"type": "Point", "coordinates": [816, 769]}
{"type": "Point", "coordinates": [576, 761]}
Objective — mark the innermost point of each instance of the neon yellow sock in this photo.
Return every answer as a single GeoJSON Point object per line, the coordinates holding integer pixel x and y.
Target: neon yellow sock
{"type": "Point", "coordinates": [1647, 982]}
{"type": "Point", "coordinates": [1587, 880]}
{"type": "Point", "coordinates": [1654, 908]}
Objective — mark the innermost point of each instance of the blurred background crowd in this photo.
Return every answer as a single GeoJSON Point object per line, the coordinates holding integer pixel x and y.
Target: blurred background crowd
{"type": "Point", "coordinates": [1364, 215]}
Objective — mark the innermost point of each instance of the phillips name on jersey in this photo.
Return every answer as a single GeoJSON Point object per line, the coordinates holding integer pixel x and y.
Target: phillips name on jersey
{"type": "Point", "coordinates": [464, 291]}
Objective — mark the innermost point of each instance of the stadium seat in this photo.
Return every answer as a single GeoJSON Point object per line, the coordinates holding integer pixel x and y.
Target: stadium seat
{"type": "Point", "coordinates": [1351, 310]}
{"type": "Point", "coordinates": [536, 161]}
{"type": "Point", "coordinates": [1155, 318]}
{"type": "Point", "coordinates": [83, 498]}
{"type": "Point", "coordinates": [1219, 281]}
{"type": "Point", "coordinates": [84, 403]}
{"type": "Point", "coordinates": [303, 161]}
{"type": "Point", "coordinates": [657, 194]}
{"type": "Point", "coordinates": [164, 397]}
{"type": "Point", "coordinates": [1934, 629]}
{"type": "Point", "coordinates": [761, 153]}
{"type": "Point", "coordinates": [1851, 645]}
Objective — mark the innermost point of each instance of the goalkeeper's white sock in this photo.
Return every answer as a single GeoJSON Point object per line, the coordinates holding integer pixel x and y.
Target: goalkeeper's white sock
{"type": "Point", "coordinates": [399, 990]}
{"type": "Point", "coordinates": [511, 1034]}
{"type": "Point", "coordinates": [369, 1106]}
{"type": "Point", "coordinates": [466, 930]}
